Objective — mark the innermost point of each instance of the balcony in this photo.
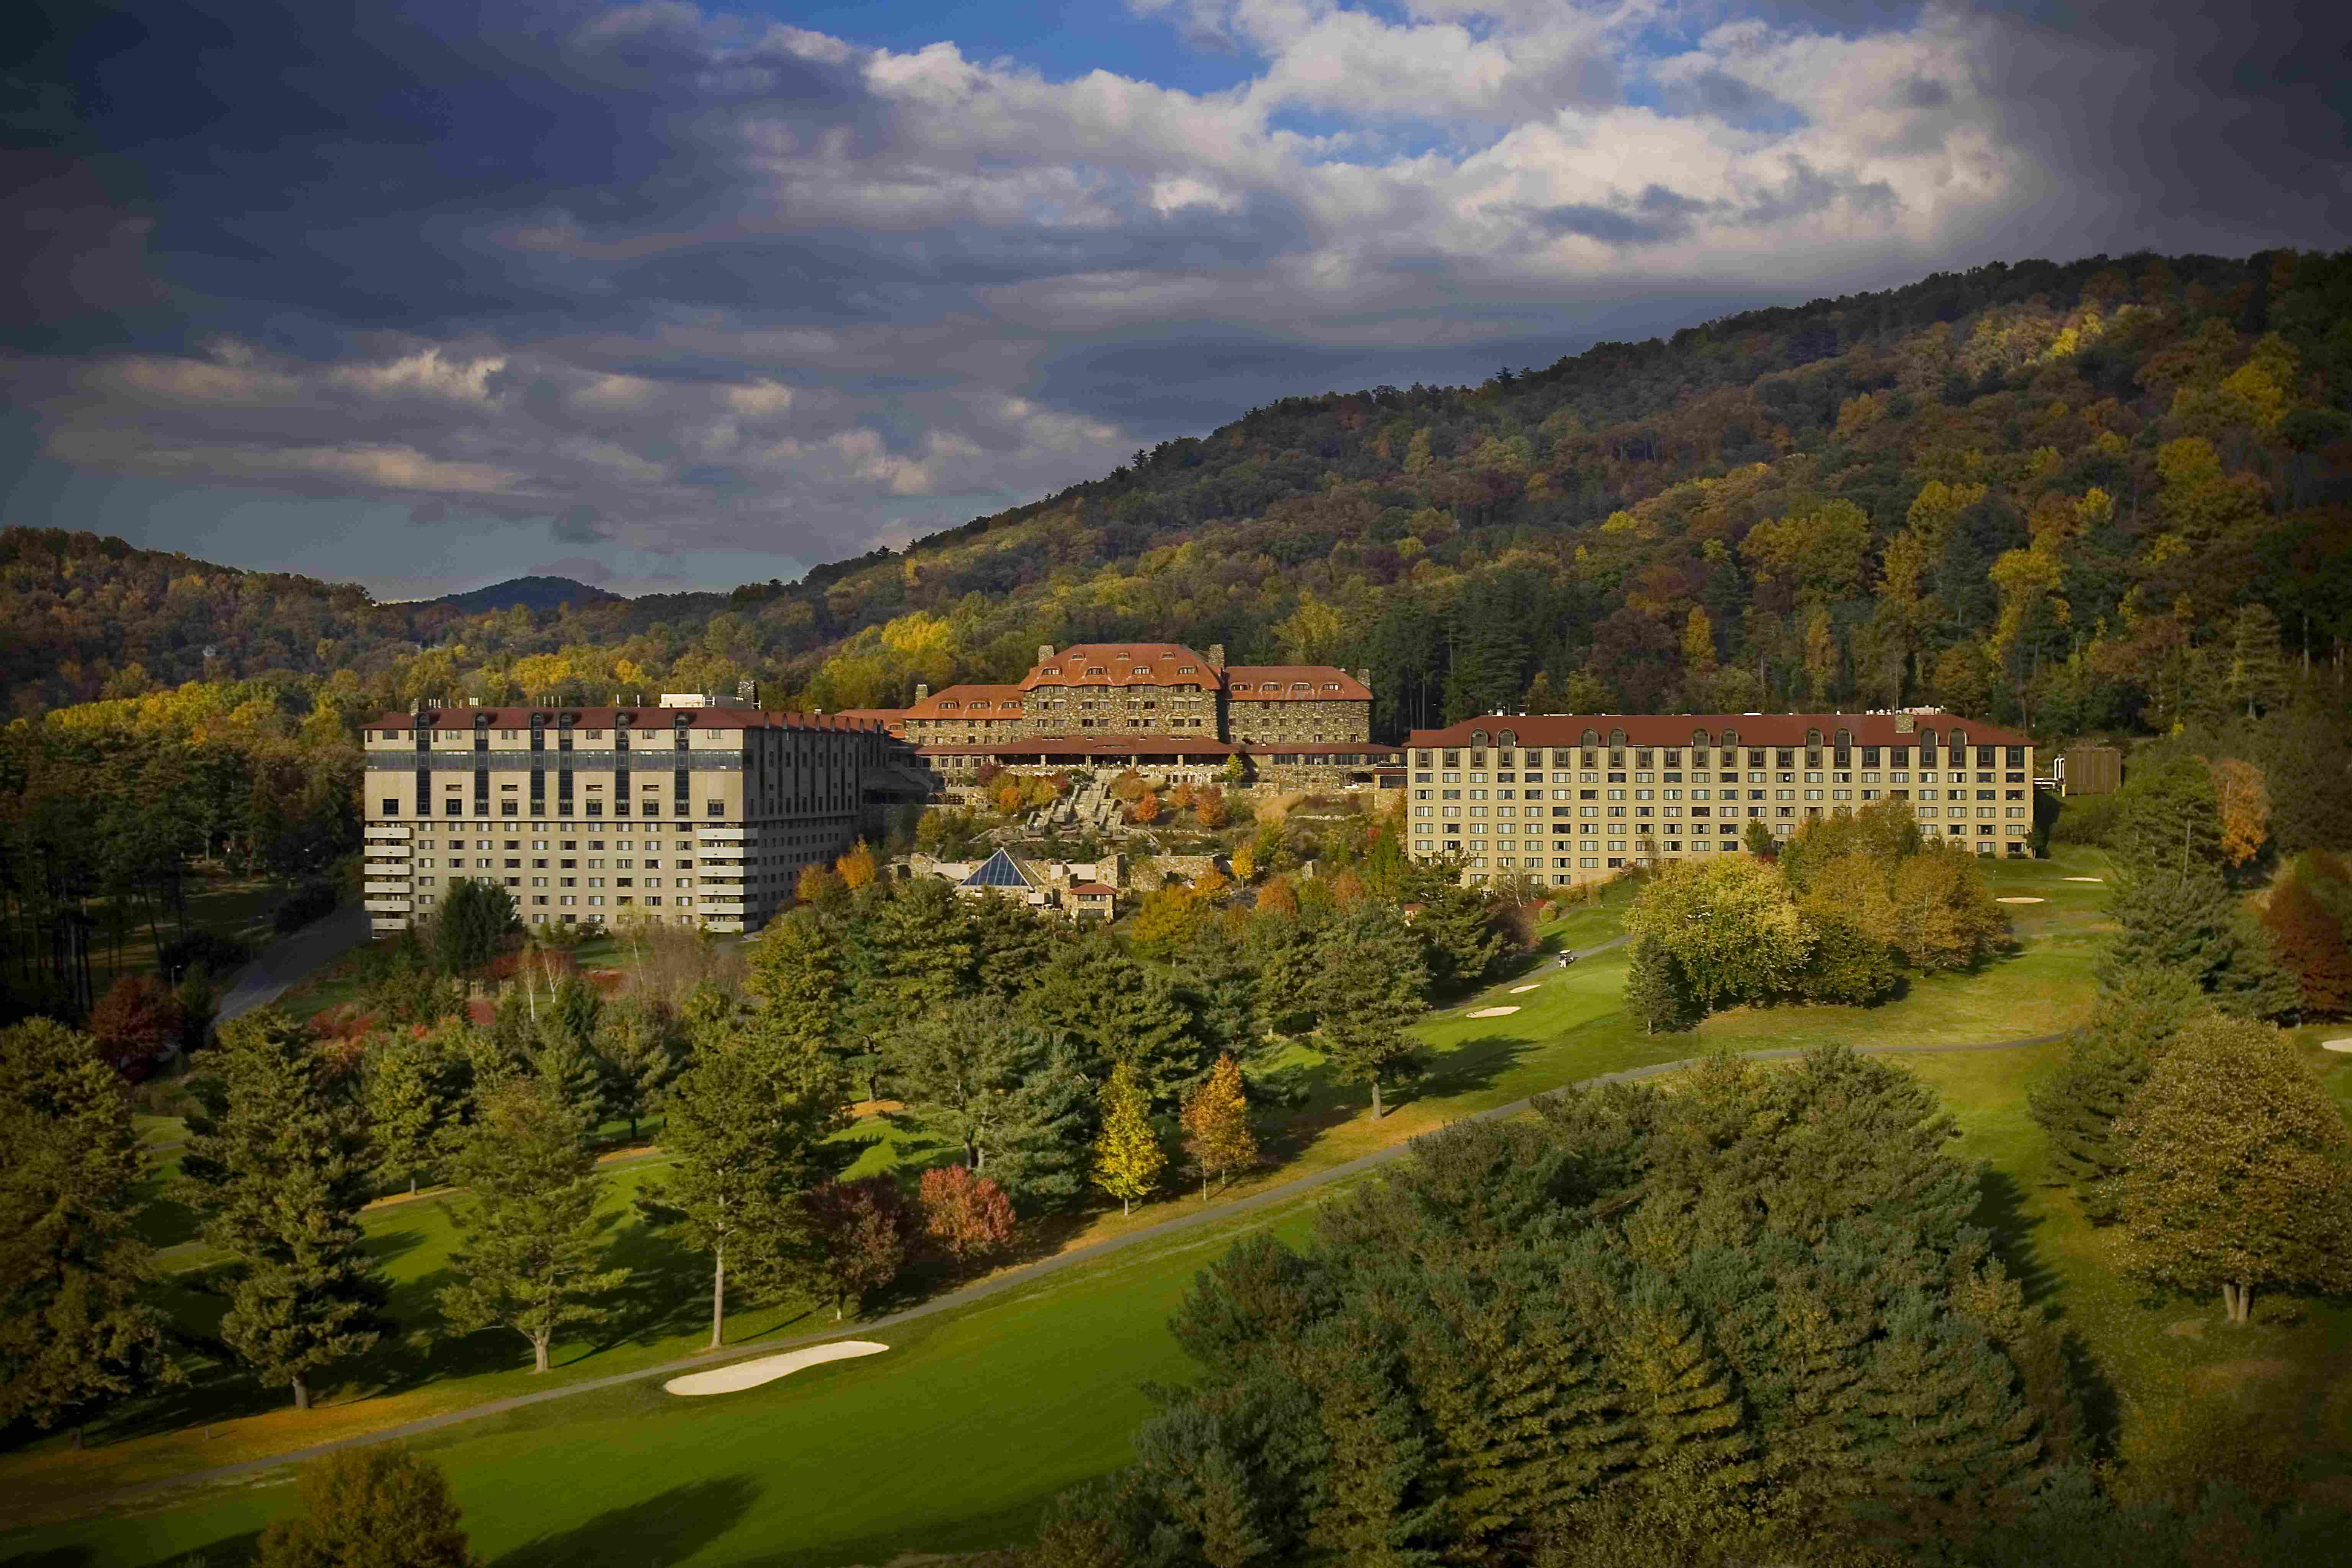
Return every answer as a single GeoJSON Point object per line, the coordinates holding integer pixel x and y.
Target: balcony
{"type": "Point", "coordinates": [397, 888]}
{"type": "Point", "coordinates": [387, 831]}
{"type": "Point", "coordinates": [722, 835]}
{"type": "Point", "coordinates": [723, 851]}
{"type": "Point", "coordinates": [388, 906]}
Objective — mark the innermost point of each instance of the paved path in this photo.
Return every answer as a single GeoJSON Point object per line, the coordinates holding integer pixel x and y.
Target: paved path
{"type": "Point", "coordinates": [1011, 1279]}
{"type": "Point", "coordinates": [292, 958]}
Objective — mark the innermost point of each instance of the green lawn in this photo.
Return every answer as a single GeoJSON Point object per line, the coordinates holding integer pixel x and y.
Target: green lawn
{"type": "Point", "coordinates": [2153, 1349]}
{"type": "Point", "coordinates": [950, 1441]}
{"type": "Point", "coordinates": [1567, 1027]}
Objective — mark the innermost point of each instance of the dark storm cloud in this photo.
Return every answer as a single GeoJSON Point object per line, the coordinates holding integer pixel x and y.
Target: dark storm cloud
{"type": "Point", "coordinates": [653, 276]}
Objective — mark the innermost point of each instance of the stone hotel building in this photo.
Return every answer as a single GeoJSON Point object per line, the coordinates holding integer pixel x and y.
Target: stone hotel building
{"type": "Point", "coordinates": [1568, 798]}
{"type": "Point", "coordinates": [1162, 708]}
{"type": "Point", "coordinates": [693, 811]}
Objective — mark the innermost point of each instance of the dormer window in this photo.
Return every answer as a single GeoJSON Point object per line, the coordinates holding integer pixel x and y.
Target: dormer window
{"type": "Point", "coordinates": [1302, 686]}
{"type": "Point", "coordinates": [1330, 686]}
{"type": "Point", "coordinates": [1186, 669]}
{"type": "Point", "coordinates": [1097, 670]}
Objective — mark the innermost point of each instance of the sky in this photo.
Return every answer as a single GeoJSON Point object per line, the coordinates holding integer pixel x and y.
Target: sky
{"type": "Point", "coordinates": [666, 296]}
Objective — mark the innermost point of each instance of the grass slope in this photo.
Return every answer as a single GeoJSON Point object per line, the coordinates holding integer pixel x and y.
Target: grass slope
{"type": "Point", "coordinates": [1570, 1026]}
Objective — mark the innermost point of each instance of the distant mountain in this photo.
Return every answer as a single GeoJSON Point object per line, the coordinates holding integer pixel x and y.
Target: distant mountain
{"type": "Point", "coordinates": [531, 593]}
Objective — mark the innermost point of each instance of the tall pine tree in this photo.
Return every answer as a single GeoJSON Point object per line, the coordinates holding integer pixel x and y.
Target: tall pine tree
{"type": "Point", "coordinates": [279, 1167]}
{"type": "Point", "coordinates": [529, 1244]}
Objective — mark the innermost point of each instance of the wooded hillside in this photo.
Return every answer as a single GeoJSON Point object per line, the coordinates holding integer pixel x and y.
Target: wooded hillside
{"type": "Point", "coordinates": [2106, 493]}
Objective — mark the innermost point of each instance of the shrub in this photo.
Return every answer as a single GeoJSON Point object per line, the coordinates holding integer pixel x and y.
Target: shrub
{"type": "Point", "coordinates": [378, 1507]}
{"type": "Point", "coordinates": [2086, 819]}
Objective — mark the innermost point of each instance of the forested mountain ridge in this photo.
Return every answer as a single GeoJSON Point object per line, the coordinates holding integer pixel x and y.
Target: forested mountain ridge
{"type": "Point", "coordinates": [2073, 496]}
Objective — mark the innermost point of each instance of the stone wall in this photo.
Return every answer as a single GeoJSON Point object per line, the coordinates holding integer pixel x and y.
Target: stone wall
{"type": "Point", "coordinates": [1298, 723]}
{"type": "Point", "coordinates": [1152, 875]}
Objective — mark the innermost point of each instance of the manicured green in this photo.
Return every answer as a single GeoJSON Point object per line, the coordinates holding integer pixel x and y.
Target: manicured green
{"type": "Point", "coordinates": [1070, 1352]}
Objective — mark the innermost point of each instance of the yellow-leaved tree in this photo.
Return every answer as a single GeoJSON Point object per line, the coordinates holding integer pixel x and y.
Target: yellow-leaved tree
{"type": "Point", "coordinates": [1216, 1125]}
{"type": "Point", "coordinates": [1127, 1156]}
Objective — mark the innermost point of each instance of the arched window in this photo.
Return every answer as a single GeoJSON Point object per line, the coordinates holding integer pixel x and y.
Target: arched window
{"type": "Point", "coordinates": [1508, 738]}
{"type": "Point", "coordinates": [1616, 739]}
{"type": "Point", "coordinates": [1592, 739]}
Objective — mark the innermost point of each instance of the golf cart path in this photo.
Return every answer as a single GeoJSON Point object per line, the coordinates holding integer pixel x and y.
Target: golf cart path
{"type": "Point", "coordinates": [292, 958]}
{"type": "Point", "coordinates": [981, 1291]}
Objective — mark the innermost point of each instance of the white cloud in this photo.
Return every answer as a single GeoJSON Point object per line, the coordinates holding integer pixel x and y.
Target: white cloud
{"type": "Point", "coordinates": [849, 287]}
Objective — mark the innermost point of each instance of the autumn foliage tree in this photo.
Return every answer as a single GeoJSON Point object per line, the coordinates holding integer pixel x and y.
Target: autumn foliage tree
{"type": "Point", "coordinates": [2311, 943]}
{"type": "Point", "coordinates": [2244, 797]}
{"type": "Point", "coordinates": [968, 1215]}
{"type": "Point", "coordinates": [863, 1227]}
{"type": "Point", "coordinates": [136, 1023]}
{"type": "Point", "coordinates": [856, 867]}
{"type": "Point", "coordinates": [1216, 1119]}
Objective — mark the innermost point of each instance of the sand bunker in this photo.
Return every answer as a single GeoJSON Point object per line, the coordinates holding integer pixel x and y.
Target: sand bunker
{"type": "Point", "coordinates": [1517, 989]}
{"type": "Point", "coordinates": [1490, 1012]}
{"type": "Point", "coordinates": [2086, 878]}
{"type": "Point", "coordinates": [767, 1369]}
{"type": "Point", "coordinates": [2019, 900]}
{"type": "Point", "coordinates": [2344, 1045]}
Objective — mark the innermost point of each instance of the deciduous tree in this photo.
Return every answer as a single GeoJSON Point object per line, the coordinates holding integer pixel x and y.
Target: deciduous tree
{"type": "Point", "coordinates": [1127, 1156]}
{"type": "Point", "coordinates": [2238, 1174]}
{"type": "Point", "coordinates": [863, 1227]}
{"type": "Point", "coordinates": [1216, 1125]}
{"type": "Point", "coordinates": [969, 1216]}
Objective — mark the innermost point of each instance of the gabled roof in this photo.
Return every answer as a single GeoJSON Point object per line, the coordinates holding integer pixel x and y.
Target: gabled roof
{"type": "Point", "coordinates": [1094, 889]}
{"type": "Point", "coordinates": [1123, 664]}
{"type": "Point", "coordinates": [999, 870]}
{"type": "Point", "coordinates": [1283, 682]}
{"type": "Point", "coordinates": [957, 701]}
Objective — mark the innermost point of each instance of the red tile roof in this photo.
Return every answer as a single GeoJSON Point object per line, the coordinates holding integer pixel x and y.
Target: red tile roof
{"type": "Point", "coordinates": [964, 701]}
{"type": "Point", "coordinates": [1094, 887]}
{"type": "Point", "coordinates": [1250, 683]}
{"type": "Point", "coordinates": [1123, 664]}
{"type": "Point", "coordinates": [644, 720]}
{"type": "Point", "coordinates": [1557, 729]}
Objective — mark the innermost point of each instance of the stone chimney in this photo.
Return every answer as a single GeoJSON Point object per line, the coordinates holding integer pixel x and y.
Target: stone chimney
{"type": "Point", "coordinates": [1217, 655]}
{"type": "Point", "coordinates": [1044, 652]}
{"type": "Point", "coordinates": [922, 689]}
{"type": "Point", "coordinates": [1363, 679]}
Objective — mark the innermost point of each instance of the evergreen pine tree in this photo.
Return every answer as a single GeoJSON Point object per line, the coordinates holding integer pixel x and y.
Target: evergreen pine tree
{"type": "Point", "coordinates": [1045, 1134]}
{"type": "Point", "coordinates": [1127, 1156]}
{"type": "Point", "coordinates": [280, 1172]}
{"type": "Point", "coordinates": [72, 1329]}
{"type": "Point", "coordinates": [1219, 984]}
{"type": "Point", "coordinates": [1367, 992]}
{"type": "Point", "coordinates": [1693, 1458]}
{"type": "Point", "coordinates": [528, 1242]}
{"type": "Point", "coordinates": [959, 1068]}
{"type": "Point", "coordinates": [1947, 1443]}
{"type": "Point", "coordinates": [413, 1098]}
{"type": "Point", "coordinates": [745, 1125]}
{"type": "Point", "coordinates": [2189, 922]}
{"type": "Point", "coordinates": [1458, 938]}
{"type": "Point", "coordinates": [2108, 1060]}
{"type": "Point", "coordinates": [794, 977]}
{"type": "Point", "coordinates": [2258, 668]}
{"type": "Point", "coordinates": [640, 1048]}
{"type": "Point", "coordinates": [1656, 992]}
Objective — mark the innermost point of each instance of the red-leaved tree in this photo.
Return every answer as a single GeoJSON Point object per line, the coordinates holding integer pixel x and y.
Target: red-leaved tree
{"type": "Point", "coordinates": [136, 1024]}
{"type": "Point", "coordinates": [864, 1226]}
{"type": "Point", "coordinates": [2312, 943]}
{"type": "Point", "coordinates": [968, 1215]}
